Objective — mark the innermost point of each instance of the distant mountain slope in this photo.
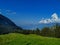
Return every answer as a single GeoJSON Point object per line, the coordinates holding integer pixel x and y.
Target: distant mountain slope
{"type": "Point", "coordinates": [6, 25]}
{"type": "Point", "coordinates": [5, 20]}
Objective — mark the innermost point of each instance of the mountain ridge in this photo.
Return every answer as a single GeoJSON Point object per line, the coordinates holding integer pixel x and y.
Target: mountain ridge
{"type": "Point", "coordinates": [6, 25]}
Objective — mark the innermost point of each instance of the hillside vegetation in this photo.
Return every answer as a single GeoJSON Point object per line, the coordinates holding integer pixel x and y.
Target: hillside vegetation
{"type": "Point", "coordinates": [31, 39]}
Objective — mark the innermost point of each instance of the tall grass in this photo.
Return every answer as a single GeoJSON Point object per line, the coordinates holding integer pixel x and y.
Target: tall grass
{"type": "Point", "coordinates": [20, 39]}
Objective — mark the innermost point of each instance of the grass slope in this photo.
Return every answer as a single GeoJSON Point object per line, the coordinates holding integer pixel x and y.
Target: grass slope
{"type": "Point", "coordinates": [20, 39]}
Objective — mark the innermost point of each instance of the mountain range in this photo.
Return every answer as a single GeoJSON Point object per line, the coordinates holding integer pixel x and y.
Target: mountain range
{"type": "Point", "coordinates": [6, 25]}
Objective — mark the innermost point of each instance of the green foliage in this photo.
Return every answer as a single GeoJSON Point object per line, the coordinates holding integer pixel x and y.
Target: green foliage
{"type": "Point", "coordinates": [57, 31]}
{"type": "Point", "coordinates": [46, 32]}
{"type": "Point", "coordinates": [37, 31]}
{"type": "Point", "coordinates": [32, 39]}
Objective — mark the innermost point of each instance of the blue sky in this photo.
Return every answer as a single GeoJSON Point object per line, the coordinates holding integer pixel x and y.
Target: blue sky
{"type": "Point", "coordinates": [27, 12]}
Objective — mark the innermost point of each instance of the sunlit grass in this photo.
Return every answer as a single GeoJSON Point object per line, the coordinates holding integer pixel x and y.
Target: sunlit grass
{"type": "Point", "coordinates": [21, 39]}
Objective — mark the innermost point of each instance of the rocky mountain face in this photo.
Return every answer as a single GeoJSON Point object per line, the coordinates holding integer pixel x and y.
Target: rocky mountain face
{"type": "Point", "coordinates": [6, 25]}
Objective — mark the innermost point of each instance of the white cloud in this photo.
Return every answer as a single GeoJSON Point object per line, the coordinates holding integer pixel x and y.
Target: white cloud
{"type": "Point", "coordinates": [8, 12]}
{"type": "Point", "coordinates": [45, 21]}
{"type": "Point", "coordinates": [54, 16]}
{"type": "Point", "coordinates": [54, 19]}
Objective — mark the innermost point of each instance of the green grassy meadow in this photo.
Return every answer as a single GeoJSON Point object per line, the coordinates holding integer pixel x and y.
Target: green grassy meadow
{"type": "Point", "coordinates": [31, 39]}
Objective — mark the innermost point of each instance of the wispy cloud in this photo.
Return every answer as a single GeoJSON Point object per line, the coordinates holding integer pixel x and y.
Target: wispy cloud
{"type": "Point", "coordinates": [11, 13]}
{"type": "Point", "coordinates": [8, 12]}
{"type": "Point", "coordinates": [54, 19]}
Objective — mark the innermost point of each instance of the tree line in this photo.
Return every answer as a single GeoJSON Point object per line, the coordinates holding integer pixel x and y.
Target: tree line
{"type": "Point", "coordinates": [53, 31]}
